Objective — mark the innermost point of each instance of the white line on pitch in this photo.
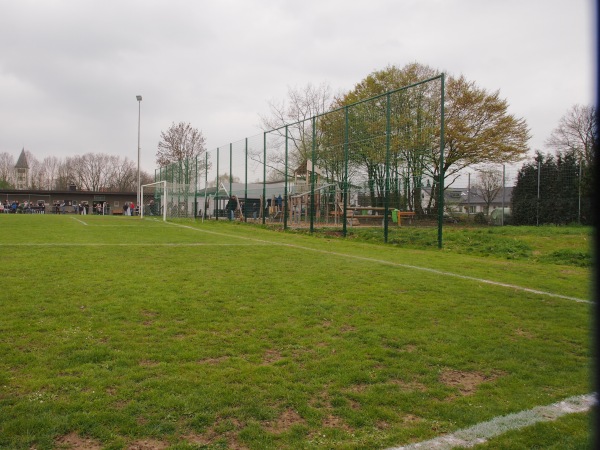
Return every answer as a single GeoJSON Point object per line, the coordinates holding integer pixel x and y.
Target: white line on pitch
{"type": "Point", "coordinates": [394, 264]}
{"type": "Point", "coordinates": [480, 433]}
{"type": "Point", "coordinates": [133, 244]}
{"type": "Point", "coordinates": [80, 221]}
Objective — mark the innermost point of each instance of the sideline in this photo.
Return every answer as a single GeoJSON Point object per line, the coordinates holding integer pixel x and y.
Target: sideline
{"type": "Point", "coordinates": [393, 264]}
{"type": "Point", "coordinates": [480, 433]}
{"type": "Point", "coordinates": [132, 244]}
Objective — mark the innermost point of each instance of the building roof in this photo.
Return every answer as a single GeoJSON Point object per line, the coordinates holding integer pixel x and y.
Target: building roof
{"type": "Point", "coordinates": [22, 162]}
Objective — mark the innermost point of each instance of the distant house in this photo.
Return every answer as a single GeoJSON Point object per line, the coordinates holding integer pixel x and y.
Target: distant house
{"type": "Point", "coordinates": [475, 202]}
{"type": "Point", "coordinates": [460, 200]}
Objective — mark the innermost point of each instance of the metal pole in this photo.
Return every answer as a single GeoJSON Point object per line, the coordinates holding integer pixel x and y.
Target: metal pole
{"type": "Point", "coordinates": [579, 194]}
{"type": "Point", "coordinates": [346, 184]}
{"type": "Point", "coordinates": [312, 177]}
{"type": "Point", "coordinates": [139, 99]}
{"type": "Point", "coordinates": [218, 187]}
{"type": "Point", "coordinates": [441, 182]}
{"type": "Point", "coordinates": [205, 206]}
{"type": "Point", "coordinates": [246, 182]}
{"type": "Point", "coordinates": [469, 195]}
{"type": "Point", "coordinates": [537, 208]}
{"type": "Point", "coordinates": [386, 199]}
{"type": "Point", "coordinates": [503, 190]}
{"type": "Point", "coordinates": [285, 186]}
{"type": "Point", "coordinates": [264, 206]}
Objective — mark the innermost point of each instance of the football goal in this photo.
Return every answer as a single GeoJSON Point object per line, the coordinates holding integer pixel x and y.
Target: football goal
{"type": "Point", "coordinates": [168, 200]}
{"type": "Point", "coordinates": [153, 197]}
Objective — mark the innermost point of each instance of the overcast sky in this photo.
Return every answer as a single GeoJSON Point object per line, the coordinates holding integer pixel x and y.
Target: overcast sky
{"type": "Point", "coordinates": [70, 70]}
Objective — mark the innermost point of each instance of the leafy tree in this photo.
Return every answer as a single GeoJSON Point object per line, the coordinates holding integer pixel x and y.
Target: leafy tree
{"type": "Point", "coordinates": [479, 128]}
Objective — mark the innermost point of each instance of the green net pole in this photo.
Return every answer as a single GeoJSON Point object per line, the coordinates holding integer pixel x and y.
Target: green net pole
{"type": "Point", "coordinates": [230, 169]}
{"type": "Point", "coordinates": [345, 185]}
{"type": "Point", "coordinates": [285, 184]}
{"type": "Point", "coordinates": [246, 181]}
{"type": "Point", "coordinates": [264, 206]}
{"type": "Point", "coordinates": [386, 196]}
{"type": "Point", "coordinates": [180, 176]}
{"type": "Point", "coordinates": [205, 206]}
{"type": "Point", "coordinates": [312, 176]}
{"type": "Point", "coordinates": [442, 145]}
{"type": "Point", "coordinates": [218, 187]}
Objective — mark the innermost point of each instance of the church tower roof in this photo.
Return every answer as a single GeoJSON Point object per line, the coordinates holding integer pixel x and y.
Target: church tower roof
{"type": "Point", "coordinates": [22, 162]}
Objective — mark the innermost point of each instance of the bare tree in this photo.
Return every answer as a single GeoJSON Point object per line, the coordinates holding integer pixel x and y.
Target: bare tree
{"type": "Point", "coordinates": [488, 186]}
{"type": "Point", "coordinates": [7, 165]}
{"type": "Point", "coordinates": [51, 166]}
{"type": "Point", "coordinates": [122, 175]}
{"type": "Point", "coordinates": [66, 173]}
{"type": "Point", "coordinates": [575, 133]}
{"type": "Point", "coordinates": [37, 173]}
{"type": "Point", "coordinates": [302, 104]}
{"type": "Point", "coordinates": [180, 142]}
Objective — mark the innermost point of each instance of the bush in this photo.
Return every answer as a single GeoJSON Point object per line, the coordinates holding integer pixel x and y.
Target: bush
{"type": "Point", "coordinates": [480, 219]}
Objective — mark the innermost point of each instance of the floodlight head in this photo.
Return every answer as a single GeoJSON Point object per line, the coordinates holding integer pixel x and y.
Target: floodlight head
{"type": "Point", "coordinates": [139, 98]}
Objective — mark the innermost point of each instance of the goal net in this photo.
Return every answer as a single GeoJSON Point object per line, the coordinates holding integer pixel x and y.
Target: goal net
{"type": "Point", "coordinates": [168, 200]}
{"type": "Point", "coordinates": [153, 197]}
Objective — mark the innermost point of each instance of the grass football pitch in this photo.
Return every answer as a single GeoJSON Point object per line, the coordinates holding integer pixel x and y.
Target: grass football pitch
{"type": "Point", "coordinates": [122, 333]}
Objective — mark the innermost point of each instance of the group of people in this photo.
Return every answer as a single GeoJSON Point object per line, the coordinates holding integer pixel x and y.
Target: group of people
{"type": "Point", "coordinates": [129, 209]}
{"type": "Point", "coordinates": [15, 206]}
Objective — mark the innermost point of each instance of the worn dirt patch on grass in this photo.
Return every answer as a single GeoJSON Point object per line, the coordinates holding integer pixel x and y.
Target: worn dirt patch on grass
{"type": "Point", "coordinates": [524, 334]}
{"type": "Point", "coordinates": [466, 382]}
{"type": "Point", "coordinates": [215, 434]}
{"type": "Point", "coordinates": [271, 356]}
{"type": "Point", "coordinates": [284, 422]}
{"type": "Point", "coordinates": [73, 441]}
{"type": "Point", "coordinates": [147, 444]}
{"type": "Point", "coordinates": [332, 421]}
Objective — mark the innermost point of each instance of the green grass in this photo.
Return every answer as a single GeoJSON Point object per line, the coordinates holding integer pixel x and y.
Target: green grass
{"type": "Point", "coordinates": [221, 335]}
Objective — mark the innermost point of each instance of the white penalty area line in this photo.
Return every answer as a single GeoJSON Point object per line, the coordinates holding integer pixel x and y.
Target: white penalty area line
{"type": "Point", "coordinates": [394, 264]}
{"type": "Point", "coordinates": [480, 433]}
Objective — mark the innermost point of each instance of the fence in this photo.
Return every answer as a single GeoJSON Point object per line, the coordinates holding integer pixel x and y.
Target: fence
{"type": "Point", "coordinates": [369, 163]}
{"type": "Point", "coordinates": [373, 163]}
{"type": "Point", "coordinates": [547, 189]}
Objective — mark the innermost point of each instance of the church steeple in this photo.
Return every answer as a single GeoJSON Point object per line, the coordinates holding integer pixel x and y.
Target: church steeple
{"type": "Point", "coordinates": [22, 171]}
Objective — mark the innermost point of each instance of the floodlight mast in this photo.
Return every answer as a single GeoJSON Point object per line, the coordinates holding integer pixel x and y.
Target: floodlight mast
{"type": "Point", "coordinates": [139, 99]}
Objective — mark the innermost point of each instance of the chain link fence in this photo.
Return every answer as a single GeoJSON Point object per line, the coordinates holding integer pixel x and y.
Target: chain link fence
{"type": "Point", "coordinates": [376, 163]}
{"type": "Point", "coordinates": [365, 164]}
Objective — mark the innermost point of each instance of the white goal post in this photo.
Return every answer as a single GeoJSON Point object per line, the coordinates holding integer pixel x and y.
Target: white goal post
{"type": "Point", "coordinates": [154, 197]}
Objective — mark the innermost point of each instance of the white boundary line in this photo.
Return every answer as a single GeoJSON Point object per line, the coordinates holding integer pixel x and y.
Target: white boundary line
{"type": "Point", "coordinates": [80, 221]}
{"type": "Point", "coordinates": [152, 244]}
{"type": "Point", "coordinates": [480, 433]}
{"type": "Point", "coordinates": [394, 264]}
